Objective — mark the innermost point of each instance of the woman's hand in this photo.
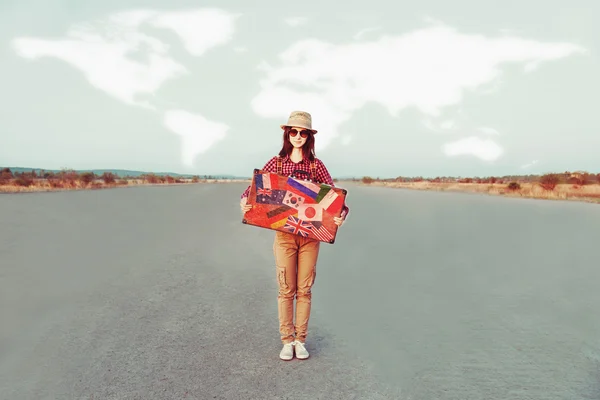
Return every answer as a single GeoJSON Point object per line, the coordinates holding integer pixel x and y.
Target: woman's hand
{"type": "Point", "coordinates": [245, 207]}
{"type": "Point", "coordinates": [338, 221]}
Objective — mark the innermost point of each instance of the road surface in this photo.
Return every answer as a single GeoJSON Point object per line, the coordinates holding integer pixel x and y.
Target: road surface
{"type": "Point", "coordinates": [162, 293]}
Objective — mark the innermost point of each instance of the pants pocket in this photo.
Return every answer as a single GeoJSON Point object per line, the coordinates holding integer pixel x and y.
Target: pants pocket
{"type": "Point", "coordinates": [281, 279]}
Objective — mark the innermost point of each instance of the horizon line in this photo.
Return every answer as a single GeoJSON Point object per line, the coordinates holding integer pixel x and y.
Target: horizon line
{"type": "Point", "coordinates": [233, 176]}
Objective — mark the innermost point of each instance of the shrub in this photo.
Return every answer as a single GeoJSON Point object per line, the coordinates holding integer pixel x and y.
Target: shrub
{"type": "Point", "coordinates": [579, 179]}
{"type": "Point", "coordinates": [512, 186]}
{"type": "Point", "coordinates": [549, 181]}
{"type": "Point", "coordinates": [87, 177]}
{"type": "Point", "coordinates": [108, 178]}
{"type": "Point", "coordinates": [55, 183]}
{"type": "Point", "coordinates": [24, 180]}
{"type": "Point", "coordinates": [68, 177]}
{"type": "Point", "coordinates": [586, 179]}
{"type": "Point", "coordinates": [151, 178]}
{"type": "Point", "coordinates": [367, 179]}
{"type": "Point", "coordinates": [6, 175]}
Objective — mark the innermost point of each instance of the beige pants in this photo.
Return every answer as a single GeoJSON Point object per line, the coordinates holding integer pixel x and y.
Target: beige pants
{"type": "Point", "coordinates": [296, 260]}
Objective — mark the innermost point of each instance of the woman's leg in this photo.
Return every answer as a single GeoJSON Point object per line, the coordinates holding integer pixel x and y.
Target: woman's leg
{"type": "Point", "coordinates": [285, 250]}
{"type": "Point", "coordinates": [307, 269]}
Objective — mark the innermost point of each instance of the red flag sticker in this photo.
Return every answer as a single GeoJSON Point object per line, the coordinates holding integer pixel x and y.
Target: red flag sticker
{"type": "Point", "coordinates": [310, 212]}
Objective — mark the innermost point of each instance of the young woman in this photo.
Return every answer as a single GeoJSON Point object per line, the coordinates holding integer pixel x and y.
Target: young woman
{"type": "Point", "coordinates": [296, 256]}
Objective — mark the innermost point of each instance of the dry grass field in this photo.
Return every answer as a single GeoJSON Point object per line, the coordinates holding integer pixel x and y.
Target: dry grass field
{"type": "Point", "coordinates": [554, 187]}
{"type": "Point", "coordinates": [72, 180]}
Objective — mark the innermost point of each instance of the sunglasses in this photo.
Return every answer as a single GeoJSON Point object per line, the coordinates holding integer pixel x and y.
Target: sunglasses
{"type": "Point", "coordinates": [304, 133]}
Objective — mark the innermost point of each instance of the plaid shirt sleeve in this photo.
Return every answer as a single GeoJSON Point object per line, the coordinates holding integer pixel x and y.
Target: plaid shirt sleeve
{"type": "Point", "coordinates": [270, 166]}
{"type": "Point", "coordinates": [324, 176]}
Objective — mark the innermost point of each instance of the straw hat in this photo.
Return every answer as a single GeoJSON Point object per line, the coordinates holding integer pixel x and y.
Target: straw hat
{"type": "Point", "coordinates": [301, 119]}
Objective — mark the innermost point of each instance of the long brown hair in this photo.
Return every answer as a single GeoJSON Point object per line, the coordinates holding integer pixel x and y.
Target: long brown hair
{"type": "Point", "coordinates": [308, 150]}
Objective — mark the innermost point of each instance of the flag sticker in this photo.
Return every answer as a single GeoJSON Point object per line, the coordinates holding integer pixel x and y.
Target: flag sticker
{"type": "Point", "coordinates": [297, 227]}
{"type": "Point", "coordinates": [328, 199]}
{"type": "Point", "coordinates": [307, 189]}
{"type": "Point", "coordinates": [293, 200]}
{"type": "Point", "coordinates": [311, 186]}
{"type": "Point", "coordinates": [265, 181]}
{"type": "Point", "coordinates": [279, 214]}
{"type": "Point", "coordinates": [279, 224]}
{"type": "Point", "coordinates": [269, 197]}
{"type": "Point", "coordinates": [258, 181]}
{"type": "Point", "coordinates": [263, 192]}
{"type": "Point", "coordinates": [263, 185]}
{"type": "Point", "coordinates": [310, 212]}
{"type": "Point", "coordinates": [322, 192]}
{"type": "Point", "coordinates": [277, 211]}
{"type": "Point", "coordinates": [322, 233]}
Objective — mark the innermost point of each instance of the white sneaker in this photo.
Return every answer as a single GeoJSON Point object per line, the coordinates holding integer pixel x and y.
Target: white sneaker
{"type": "Point", "coordinates": [301, 352]}
{"type": "Point", "coordinates": [287, 353]}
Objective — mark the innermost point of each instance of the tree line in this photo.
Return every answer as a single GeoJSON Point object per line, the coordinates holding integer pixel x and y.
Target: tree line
{"type": "Point", "coordinates": [547, 181]}
{"type": "Point", "coordinates": [71, 178]}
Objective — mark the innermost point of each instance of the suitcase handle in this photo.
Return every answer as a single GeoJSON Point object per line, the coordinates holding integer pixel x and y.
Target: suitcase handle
{"type": "Point", "coordinates": [302, 172]}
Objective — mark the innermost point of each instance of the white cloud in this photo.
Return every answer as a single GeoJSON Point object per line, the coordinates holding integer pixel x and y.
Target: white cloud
{"type": "Point", "coordinates": [197, 133]}
{"type": "Point", "coordinates": [199, 30]}
{"type": "Point", "coordinates": [104, 62]}
{"type": "Point", "coordinates": [428, 69]}
{"type": "Point", "coordinates": [486, 150]}
{"type": "Point", "coordinates": [296, 21]}
{"type": "Point", "coordinates": [102, 49]}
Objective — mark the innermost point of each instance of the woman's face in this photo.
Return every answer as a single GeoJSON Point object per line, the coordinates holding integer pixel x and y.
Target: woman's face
{"type": "Point", "coordinates": [298, 141]}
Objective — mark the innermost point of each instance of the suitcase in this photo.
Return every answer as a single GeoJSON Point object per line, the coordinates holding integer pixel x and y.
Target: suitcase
{"type": "Point", "coordinates": [293, 205]}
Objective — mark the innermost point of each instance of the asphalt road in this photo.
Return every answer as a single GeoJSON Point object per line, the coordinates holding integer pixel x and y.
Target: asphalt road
{"type": "Point", "coordinates": [162, 293]}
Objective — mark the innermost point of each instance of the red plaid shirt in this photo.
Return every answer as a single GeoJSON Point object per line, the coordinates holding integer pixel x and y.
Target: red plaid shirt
{"type": "Point", "coordinates": [288, 166]}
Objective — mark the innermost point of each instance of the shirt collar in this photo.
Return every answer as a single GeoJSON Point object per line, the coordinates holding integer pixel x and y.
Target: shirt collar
{"type": "Point", "coordinates": [287, 158]}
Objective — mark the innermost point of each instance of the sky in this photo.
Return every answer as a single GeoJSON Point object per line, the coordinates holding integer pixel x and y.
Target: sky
{"type": "Point", "coordinates": [422, 88]}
